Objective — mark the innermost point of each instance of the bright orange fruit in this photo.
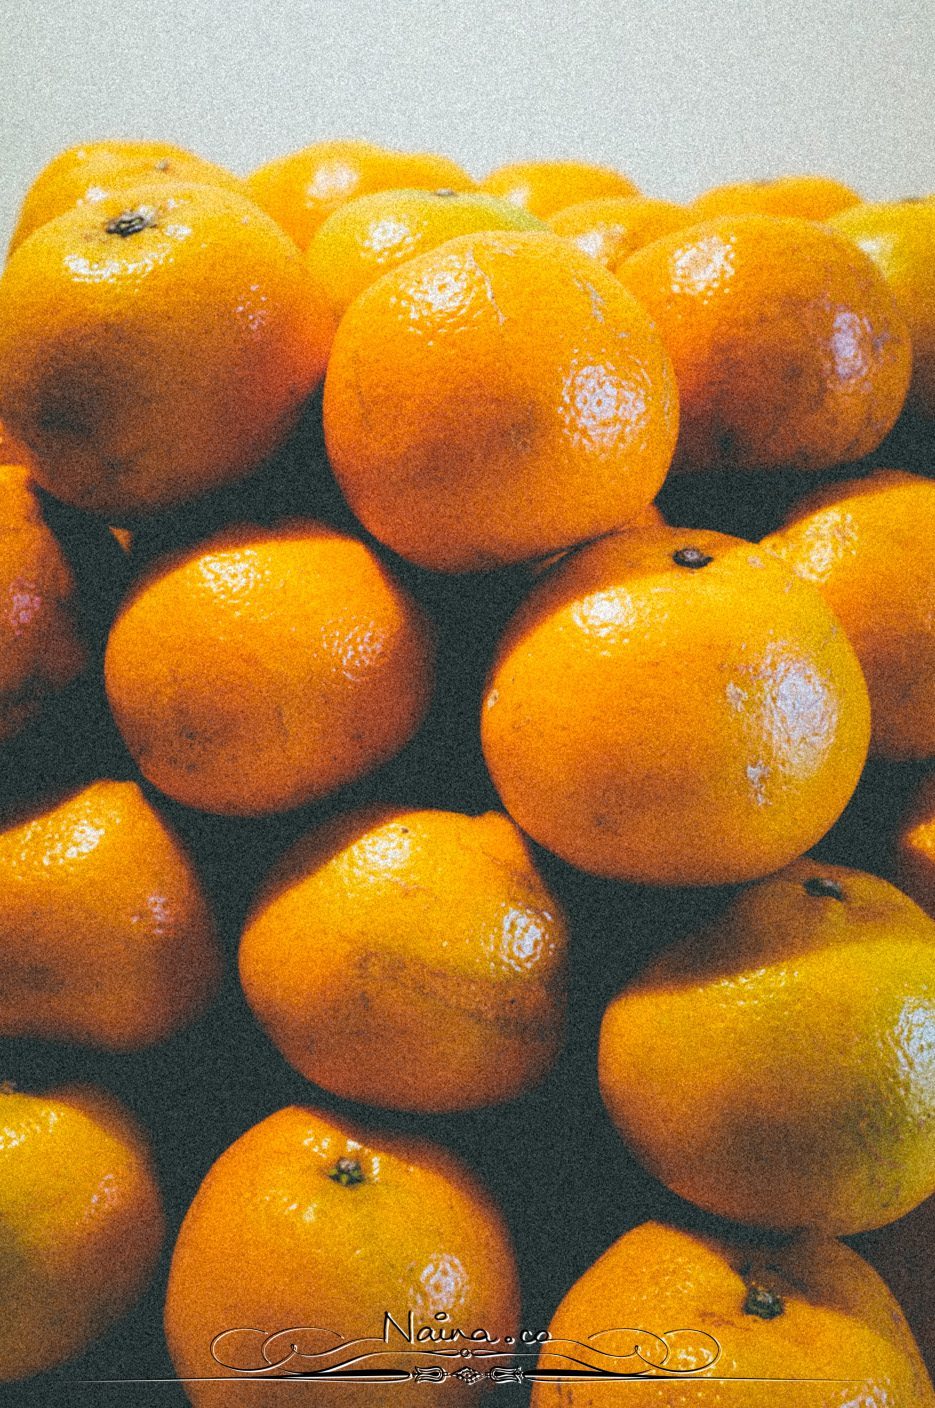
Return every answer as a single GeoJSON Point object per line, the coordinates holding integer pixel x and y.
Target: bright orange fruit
{"type": "Point", "coordinates": [302, 189]}
{"type": "Point", "coordinates": [610, 228]}
{"type": "Point", "coordinates": [496, 399]}
{"type": "Point", "coordinates": [776, 1067]}
{"type": "Point", "coordinates": [676, 708]}
{"type": "Point", "coordinates": [544, 187]}
{"type": "Point", "coordinates": [807, 197]}
{"type": "Point", "coordinates": [413, 959]}
{"type": "Point", "coordinates": [788, 345]}
{"type": "Point", "coordinates": [265, 667]}
{"type": "Point", "coordinates": [311, 1230]}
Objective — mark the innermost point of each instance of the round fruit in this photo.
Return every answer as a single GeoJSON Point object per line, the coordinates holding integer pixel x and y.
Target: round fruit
{"type": "Point", "coordinates": [777, 1067]}
{"type": "Point", "coordinates": [266, 667]}
{"type": "Point", "coordinates": [302, 189]}
{"type": "Point", "coordinates": [307, 1222]}
{"type": "Point", "coordinates": [613, 227]}
{"type": "Point", "coordinates": [900, 239]}
{"type": "Point", "coordinates": [544, 187]}
{"type": "Point", "coordinates": [156, 345]}
{"type": "Point", "coordinates": [43, 642]}
{"type": "Point", "coordinates": [807, 1323]}
{"type": "Point", "coordinates": [413, 959]}
{"type": "Point", "coordinates": [81, 1223]}
{"type": "Point", "coordinates": [375, 233]}
{"type": "Point", "coordinates": [865, 544]}
{"type": "Point", "coordinates": [788, 346]}
{"type": "Point", "coordinates": [902, 1254]}
{"type": "Point", "coordinates": [89, 174]}
{"type": "Point", "coordinates": [915, 847]}
{"type": "Point", "coordinates": [496, 399]}
{"type": "Point", "coordinates": [677, 708]}
{"type": "Point", "coordinates": [105, 935]}
{"type": "Point", "coordinates": [12, 451]}
{"type": "Point", "coordinates": [806, 197]}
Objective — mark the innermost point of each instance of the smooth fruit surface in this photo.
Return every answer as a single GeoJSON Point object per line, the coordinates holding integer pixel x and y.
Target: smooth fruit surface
{"type": "Point", "coordinates": [43, 643]}
{"type": "Point", "coordinates": [105, 934]}
{"type": "Point", "coordinates": [87, 175]}
{"type": "Point", "coordinates": [915, 847]}
{"type": "Point", "coordinates": [675, 707]}
{"type": "Point", "coordinates": [267, 666]}
{"type": "Point", "coordinates": [302, 189]}
{"type": "Point", "coordinates": [413, 959]}
{"type": "Point", "coordinates": [788, 346]}
{"type": "Point", "coordinates": [546, 186]}
{"type": "Point", "coordinates": [806, 197]}
{"type": "Point", "coordinates": [777, 1067]}
{"type": "Point", "coordinates": [375, 233]}
{"type": "Point", "coordinates": [309, 1221]}
{"type": "Point", "coordinates": [611, 228]}
{"type": "Point", "coordinates": [496, 399]}
{"type": "Point", "coordinates": [866, 544]}
{"type": "Point", "coordinates": [81, 1223]}
{"type": "Point", "coordinates": [156, 345]}
{"type": "Point", "coordinates": [12, 451]}
{"type": "Point", "coordinates": [900, 239]}
{"type": "Point", "coordinates": [722, 1322]}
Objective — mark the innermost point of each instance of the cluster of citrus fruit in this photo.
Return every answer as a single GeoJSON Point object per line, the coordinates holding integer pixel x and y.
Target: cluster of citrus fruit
{"type": "Point", "coordinates": [620, 503]}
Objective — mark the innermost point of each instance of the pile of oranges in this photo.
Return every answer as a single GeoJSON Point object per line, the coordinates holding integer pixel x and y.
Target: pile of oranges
{"type": "Point", "coordinates": [467, 686]}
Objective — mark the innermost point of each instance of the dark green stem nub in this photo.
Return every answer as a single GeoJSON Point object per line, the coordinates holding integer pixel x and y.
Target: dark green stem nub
{"type": "Point", "coordinates": [691, 557]}
{"type": "Point", "coordinates": [131, 222]}
{"type": "Point", "coordinates": [762, 1302]}
{"type": "Point", "coordinates": [347, 1172]}
{"type": "Point", "coordinates": [821, 889]}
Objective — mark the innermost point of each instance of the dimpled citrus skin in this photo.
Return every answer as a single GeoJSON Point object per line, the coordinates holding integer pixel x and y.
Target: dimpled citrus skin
{"type": "Point", "coordinates": [413, 959]}
{"type": "Point", "coordinates": [302, 189]}
{"type": "Point", "coordinates": [375, 233]}
{"type": "Point", "coordinates": [42, 643]}
{"type": "Point", "coordinates": [547, 186]}
{"type": "Point", "coordinates": [915, 847]}
{"type": "Point", "coordinates": [611, 228]}
{"type": "Point", "coordinates": [105, 934]}
{"type": "Point", "coordinates": [788, 346]}
{"type": "Point", "coordinates": [825, 1320]}
{"type": "Point", "coordinates": [806, 197]}
{"type": "Point", "coordinates": [777, 1067]}
{"type": "Point", "coordinates": [81, 1223]}
{"type": "Point", "coordinates": [900, 239]}
{"type": "Point", "coordinates": [144, 368]}
{"type": "Point", "coordinates": [86, 175]}
{"type": "Point", "coordinates": [674, 724]}
{"type": "Point", "coordinates": [277, 1241]}
{"type": "Point", "coordinates": [496, 399]}
{"type": "Point", "coordinates": [265, 667]}
{"type": "Point", "coordinates": [865, 544]}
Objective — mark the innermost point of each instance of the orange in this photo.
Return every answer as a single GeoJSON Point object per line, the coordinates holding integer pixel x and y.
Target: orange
{"type": "Point", "coordinates": [610, 228]}
{"type": "Point", "coordinates": [311, 1231]}
{"type": "Point", "coordinates": [807, 197]}
{"type": "Point", "coordinates": [302, 189]}
{"type": "Point", "coordinates": [788, 346]}
{"type": "Point", "coordinates": [900, 239]}
{"type": "Point", "coordinates": [902, 1254]}
{"type": "Point", "coordinates": [915, 847]}
{"type": "Point", "coordinates": [865, 544]}
{"type": "Point", "coordinates": [413, 959]}
{"type": "Point", "coordinates": [89, 174]}
{"type": "Point", "coordinates": [11, 450]}
{"type": "Point", "coordinates": [544, 187]}
{"type": "Point", "coordinates": [105, 934]}
{"type": "Point", "coordinates": [266, 667]}
{"type": "Point", "coordinates": [40, 627]}
{"type": "Point", "coordinates": [495, 399]}
{"type": "Point", "coordinates": [727, 1321]}
{"type": "Point", "coordinates": [674, 707]}
{"type": "Point", "coordinates": [155, 345]}
{"type": "Point", "coordinates": [81, 1223]}
{"type": "Point", "coordinates": [375, 233]}
{"type": "Point", "coordinates": [776, 1067]}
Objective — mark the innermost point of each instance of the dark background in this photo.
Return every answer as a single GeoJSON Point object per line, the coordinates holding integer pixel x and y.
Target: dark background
{"type": "Point", "coordinates": [561, 1174]}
